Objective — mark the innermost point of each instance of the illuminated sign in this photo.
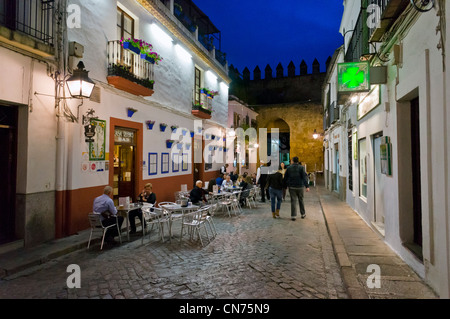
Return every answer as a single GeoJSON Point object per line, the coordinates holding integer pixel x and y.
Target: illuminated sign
{"type": "Point", "coordinates": [353, 77]}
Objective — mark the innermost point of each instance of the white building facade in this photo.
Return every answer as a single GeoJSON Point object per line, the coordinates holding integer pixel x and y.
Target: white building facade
{"type": "Point", "coordinates": [393, 138]}
{"type": "Point", "coordinates": [60, 167]}
{"type": "Point", "coordinates": [240, 115]}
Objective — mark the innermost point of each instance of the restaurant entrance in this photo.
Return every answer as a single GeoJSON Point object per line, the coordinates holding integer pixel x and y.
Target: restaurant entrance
{"type": "Point", "coordinates": [124, 164]}
{"type": "Point", "coordinates": [8, 163]}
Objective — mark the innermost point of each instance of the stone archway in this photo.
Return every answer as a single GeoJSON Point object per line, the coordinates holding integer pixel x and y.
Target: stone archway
{"type": "Point", "coordinates": [283, 143]}
{"type": "Point", "coordinates": [300, 120]}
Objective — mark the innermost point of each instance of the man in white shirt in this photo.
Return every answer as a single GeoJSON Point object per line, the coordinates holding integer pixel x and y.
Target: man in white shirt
{"type": "Point", "coordinates": [227, 183]}
{"type": "Point", "coordinates": [104, 206]}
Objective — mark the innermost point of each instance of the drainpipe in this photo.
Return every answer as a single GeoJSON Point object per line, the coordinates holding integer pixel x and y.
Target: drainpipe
{"type": "Point", "coordinates": [61, 32]}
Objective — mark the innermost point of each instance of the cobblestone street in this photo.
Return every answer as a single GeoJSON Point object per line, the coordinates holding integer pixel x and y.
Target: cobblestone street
{"type": "Point", "coordinates": [253, 257]}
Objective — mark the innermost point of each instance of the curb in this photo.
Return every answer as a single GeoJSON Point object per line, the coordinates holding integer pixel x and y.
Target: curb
{"type": "Point", "coordinates": [354, 288]}
{"type": "Point", "coordinates": [18, 267]}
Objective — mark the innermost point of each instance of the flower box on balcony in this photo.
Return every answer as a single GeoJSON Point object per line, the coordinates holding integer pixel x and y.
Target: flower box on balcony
{"type": "Point", "coordinates": [128, 46]}
{"type": "Point", "coordinates": [201, 112]}
{"type": "Point", "coordinates": [121, 78]}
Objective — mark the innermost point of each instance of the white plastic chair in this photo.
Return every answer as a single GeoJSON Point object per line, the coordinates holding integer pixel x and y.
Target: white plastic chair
{"type": "Point", "coordinates": [96, 225]}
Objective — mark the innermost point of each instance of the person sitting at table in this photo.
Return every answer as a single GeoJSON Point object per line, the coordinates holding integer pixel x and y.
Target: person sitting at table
{"type": "Point", "coordinates": [197, 194]}
{"type": "Point", "coordinates": [227, 183]}
{"type": "Point", "coordinates": [219, 180]}
{"type": "Point", "coordinates": [211, 185]}
{"type": "Point", "coordinates": [147, 196]}
{"type": "Point", "coordinates": [104, 206]}
{"type": "Point", "coordinates": [246, 185]}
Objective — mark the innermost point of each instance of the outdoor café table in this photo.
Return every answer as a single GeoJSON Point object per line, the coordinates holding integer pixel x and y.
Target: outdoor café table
{"type": "Point", "coordinates": [125, 212]}
{"type": "Point", "coordinates": [171, 208]}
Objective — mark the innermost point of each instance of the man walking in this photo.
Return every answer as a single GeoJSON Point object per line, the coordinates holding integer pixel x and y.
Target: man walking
{"type": "Point", "coordinates": [261, 180]}
{"type": "Point", "coordinates": [295, 178]}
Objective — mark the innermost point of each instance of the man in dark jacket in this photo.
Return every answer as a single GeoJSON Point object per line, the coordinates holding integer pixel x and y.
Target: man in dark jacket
{"type": "Point", "coordinates": [295, 178]}
{"type": "Point", "coordinates": [275, 186]}
{"type": "Point", "coordinates": [197, 194]}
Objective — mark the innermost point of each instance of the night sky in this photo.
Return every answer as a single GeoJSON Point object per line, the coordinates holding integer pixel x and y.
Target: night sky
{"type": "Point", "coordinates": [261, 32]}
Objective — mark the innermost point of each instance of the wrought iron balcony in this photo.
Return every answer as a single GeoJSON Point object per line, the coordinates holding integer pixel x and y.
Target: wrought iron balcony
{"type": "Point", "coordinates": [359, 42]}
{"type": "Point", "coordinates": [128, 71]}
{"type": "Point", "coordinates": [389, 11]}
{"type": "Point", "coordinates": [34, 18]}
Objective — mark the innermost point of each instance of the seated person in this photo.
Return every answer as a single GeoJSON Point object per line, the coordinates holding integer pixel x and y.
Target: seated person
{"type": "Point", "coordinates": [219, 180]}
{"type": "Point", "coordinates": [104, 206]}
{"type": "Point", "coordinates": [197, 194]}
{"type": "Point", "coordinates": [211, 183]}
{"type": "Point", "coordinates": [227, 183]}
{"type": "Point", "coordinates": [147, 196]}
{"type": "Point", "coordinates": [246, 185]}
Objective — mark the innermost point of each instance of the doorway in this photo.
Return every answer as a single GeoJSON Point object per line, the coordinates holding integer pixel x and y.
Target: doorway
{"type": "Point", "coordinates": [378, 209]}
{"type": "Point", "coordinates": [8, 169]}
{"type": "Point", "coordinates": [416, 182]}
{"type": "Point", "coordinates": [124, 164]}
{"type": "Point", "coordinates": [336, 168]}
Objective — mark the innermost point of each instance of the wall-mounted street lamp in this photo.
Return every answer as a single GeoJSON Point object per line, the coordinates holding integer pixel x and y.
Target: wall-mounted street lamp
{"type": "Point", "coordinates": [316, 135]}
{"type": "Point", "coordinates": [79, 84]}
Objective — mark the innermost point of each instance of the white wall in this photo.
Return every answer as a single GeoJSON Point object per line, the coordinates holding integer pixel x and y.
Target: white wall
{"type": "Point", "coordinates": [174, 76]}
{"type": "Point", "coordinates": [21, 77]}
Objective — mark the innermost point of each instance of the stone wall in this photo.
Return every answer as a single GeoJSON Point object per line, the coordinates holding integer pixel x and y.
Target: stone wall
{"type": "Point", "coordinates": [302, 119]}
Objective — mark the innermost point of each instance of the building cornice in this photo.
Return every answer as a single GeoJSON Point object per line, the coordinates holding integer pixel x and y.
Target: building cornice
{"type": "Point", "coordinates": [167, 22]}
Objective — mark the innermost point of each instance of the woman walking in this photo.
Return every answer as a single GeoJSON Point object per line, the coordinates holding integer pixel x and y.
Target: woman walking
{"type": "Point", "coordinates": [275, 185]}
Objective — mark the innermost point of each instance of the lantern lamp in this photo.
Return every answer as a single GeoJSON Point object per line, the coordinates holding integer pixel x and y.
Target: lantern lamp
{"type": "Point", "coordinates": [79, 84]}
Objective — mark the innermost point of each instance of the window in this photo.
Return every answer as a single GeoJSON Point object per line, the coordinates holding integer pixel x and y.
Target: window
{"type": "Point", "coordinates": [198, 85]}
{"type": "Point", "coordinates": [236, 120]}
{"type": "Point", "coordinates": [362, 168]}
{"type": "Point", "coordinates": [125, 25]}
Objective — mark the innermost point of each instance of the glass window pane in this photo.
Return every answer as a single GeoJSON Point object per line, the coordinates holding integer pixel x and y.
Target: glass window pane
{"type": "Point", "coordinates": [128, 24]}
{"type": "Point", "coordinates": [119, 18]}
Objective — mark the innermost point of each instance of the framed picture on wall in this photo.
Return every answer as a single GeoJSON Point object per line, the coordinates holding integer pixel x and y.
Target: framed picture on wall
{"type": "Point", "coordinates": [175, 162]}
{"type": "Point", "coordinates": [164, 163]}
{"type": "Point", "coordinates": [152, 163]}
{"type": "Point", "coordinates": [185, 164]}
{"type": "Point", "coordinates": [97, 146]}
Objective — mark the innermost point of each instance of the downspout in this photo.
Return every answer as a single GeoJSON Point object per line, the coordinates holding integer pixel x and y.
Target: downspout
{"type": "Point", "coordinates": [60, 200]}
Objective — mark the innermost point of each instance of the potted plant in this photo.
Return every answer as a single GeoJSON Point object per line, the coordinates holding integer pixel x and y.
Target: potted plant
{"type": "Point", "coordinates": [169, 143]}
{"type": "Point", "coordinates": [131, 111]}
{"type": "Point", "coordinates": [162, 126]}
{"type": "Point", "coordinates": [188, 146]}
{"type": "Point", "coordinates": [144, 49]}
{"type": "Point", "coordinates": [131, 44]}
{"type": "Point", "coordinates": [180, 146]}
{"type": "Point", "coordinates": [184, 132]}
{"type": "Point", "coordinates": [192, 133]}
{"type": "Point", "coordinates": [150, 124]}
{"type": "Point", "coordinates": [174, 128]}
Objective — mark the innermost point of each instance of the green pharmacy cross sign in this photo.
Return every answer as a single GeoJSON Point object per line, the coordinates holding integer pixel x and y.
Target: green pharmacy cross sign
{"type": "Point", "coordinates": [353, 77]}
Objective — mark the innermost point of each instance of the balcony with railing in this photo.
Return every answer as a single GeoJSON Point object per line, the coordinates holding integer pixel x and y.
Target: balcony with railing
{"type": "Point", "coordinates": [200, 26]}
{"type": "Point", "coordinates": [202, 104]}
{"type": "Point", "coordinates": [29, 24]}
{"type": "Point", "coordinates": [359, 42]}
{"type": "Point", "coordinates": [389, 11]}
{"type": "Point", "coordinates": [129, 71]}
